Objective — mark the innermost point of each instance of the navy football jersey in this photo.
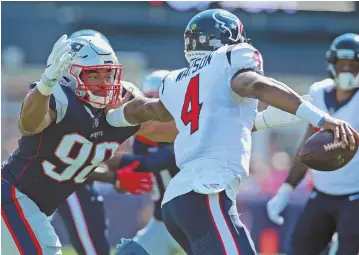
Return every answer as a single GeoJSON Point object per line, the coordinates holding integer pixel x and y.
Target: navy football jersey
{"type": "Point", "coordinates": [145, 146]}
{"type": "Point", "coordinates": [49, 166]}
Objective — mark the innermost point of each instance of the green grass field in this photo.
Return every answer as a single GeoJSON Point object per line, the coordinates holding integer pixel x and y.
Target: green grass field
{"type": "Point", "coordinates": [71, 251]}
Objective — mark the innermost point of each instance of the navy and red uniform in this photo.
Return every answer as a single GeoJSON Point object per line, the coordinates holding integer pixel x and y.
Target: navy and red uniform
{"type": "Point", "coordinates": [83, 214]}
{"type": "Point", "coordinates": [48, 167]}
{"type": "Point", "coordinates": [159, 159]}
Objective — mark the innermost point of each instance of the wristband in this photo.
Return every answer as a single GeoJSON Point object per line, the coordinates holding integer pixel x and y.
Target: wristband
{"type": "Point", "coordinates": [43, 88]}
{"type": "Point", "coordinates": [116, 117]}
{"type": "Point", "coordinates": [310, 113]}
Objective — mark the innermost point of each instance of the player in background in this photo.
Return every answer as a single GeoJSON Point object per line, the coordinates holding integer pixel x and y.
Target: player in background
{"type": "Point", "coordinates": [213, 102]}
{"type": "Point", "coordinates": [83, 212]}
{"type": "Point", "coordinates": [333, 205]}
{"type": "Point", "coordinates": [65, 136]}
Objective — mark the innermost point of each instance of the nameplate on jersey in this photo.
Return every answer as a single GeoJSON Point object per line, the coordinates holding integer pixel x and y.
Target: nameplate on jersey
{"type": "Point", "coordinates": [195, 66]}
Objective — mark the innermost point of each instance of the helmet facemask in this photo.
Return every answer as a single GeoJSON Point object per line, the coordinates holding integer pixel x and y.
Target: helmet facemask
{"type": "Point", "coordinates": [94, 73]}
{"type": "Point", "coordinates": [98, 85]}
{"type": "Point", "coordinates": [343, 61]}
{"type": "Point", "coordinates": [344, 78]}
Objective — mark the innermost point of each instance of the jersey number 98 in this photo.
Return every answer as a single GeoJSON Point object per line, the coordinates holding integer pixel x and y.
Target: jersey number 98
{"type": "Point", "coordinates": [77, 168]}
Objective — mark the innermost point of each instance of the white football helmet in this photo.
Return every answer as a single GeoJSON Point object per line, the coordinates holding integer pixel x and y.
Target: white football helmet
{"type": "Point", "coordinates": [88, 32]}
{"type": "Point", "coordinates": [94, 72]}
{"type": "Point", "coordinates": [153, 82]}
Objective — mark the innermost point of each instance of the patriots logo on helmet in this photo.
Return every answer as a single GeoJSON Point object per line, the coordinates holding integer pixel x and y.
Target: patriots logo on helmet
{"type": "Point", "coordinates": [76, 46]}
{"type": "Point", "coordinates": [235, 27]}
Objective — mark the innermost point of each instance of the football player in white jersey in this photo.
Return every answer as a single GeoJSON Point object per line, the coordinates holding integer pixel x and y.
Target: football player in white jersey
{"type": "Point", "coordinates": [158, 158]}
{"type": "Point", "coordinates": [214, 105]}
{"type": "Point", "coordinates": [334, 202]}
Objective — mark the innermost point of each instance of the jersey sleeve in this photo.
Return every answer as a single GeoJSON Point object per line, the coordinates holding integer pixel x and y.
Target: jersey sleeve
{"type": "Point", "coordinates": [58, 101]}
{"type": "Point", "coordinates": [244, 57]}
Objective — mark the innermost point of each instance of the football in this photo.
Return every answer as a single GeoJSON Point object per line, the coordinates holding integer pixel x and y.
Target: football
{"type": "Point", "coordinates": [321, 153]}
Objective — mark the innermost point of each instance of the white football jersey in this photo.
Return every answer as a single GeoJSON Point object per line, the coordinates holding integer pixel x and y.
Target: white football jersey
{"type": "Point", "coordinates": [346, 179]}
{"type": "Point", "coordinates": [214, 124]}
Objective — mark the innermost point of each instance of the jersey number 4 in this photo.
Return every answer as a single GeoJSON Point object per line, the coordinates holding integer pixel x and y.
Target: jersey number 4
{"type": "Point", "coordinates": [191, 107]}
{"type": "Point", "coordinates": [76, 159]}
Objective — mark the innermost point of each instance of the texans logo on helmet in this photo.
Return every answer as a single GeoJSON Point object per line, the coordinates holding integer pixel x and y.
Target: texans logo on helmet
{"type": "Point", "coordinates": [224, 19]}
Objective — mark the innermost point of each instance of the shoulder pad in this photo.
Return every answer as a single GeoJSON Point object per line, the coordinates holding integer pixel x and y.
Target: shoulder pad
{"type": "Point", "coordinates": [320, 85]}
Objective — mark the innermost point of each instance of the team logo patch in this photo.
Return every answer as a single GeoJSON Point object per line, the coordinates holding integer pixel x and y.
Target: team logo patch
{"type": "Point", "coordinates": [76, 46]}
{"type": "Point", "coordinates": [234, 28]}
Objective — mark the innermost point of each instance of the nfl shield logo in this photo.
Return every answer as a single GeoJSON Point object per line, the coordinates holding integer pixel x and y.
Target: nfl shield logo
{"type": "Point", "coordinates": [202, 39]}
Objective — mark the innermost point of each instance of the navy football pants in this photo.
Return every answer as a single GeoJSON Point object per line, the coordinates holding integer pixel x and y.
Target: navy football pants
{"type": "Point", "coordinates": [322, 216]}
{"type": "Point", "coordinates": [84, 217]}
{"type": "Point", "coordinates": [207, 225]}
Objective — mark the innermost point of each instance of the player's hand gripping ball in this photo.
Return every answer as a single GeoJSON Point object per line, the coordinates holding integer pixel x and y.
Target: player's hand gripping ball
{"type": "Point", "coordinates": [321, 152]}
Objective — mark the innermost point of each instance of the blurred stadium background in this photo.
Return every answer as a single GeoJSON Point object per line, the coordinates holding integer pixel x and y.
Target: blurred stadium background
{"type": "Point", "coordinates": [292, 37]}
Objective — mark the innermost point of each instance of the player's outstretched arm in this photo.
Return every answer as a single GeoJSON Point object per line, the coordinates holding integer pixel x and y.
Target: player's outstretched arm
{"type": "Point", "coordinates": [138, 111]}
{"type": "Point", "coordinates": [159, 131]}
{"type": "Point", "coordinates": [156, 122]}
{"type": "Point", "coordinates": [279, 95]}
{"type": "Point", "coordinates": [35, 113]}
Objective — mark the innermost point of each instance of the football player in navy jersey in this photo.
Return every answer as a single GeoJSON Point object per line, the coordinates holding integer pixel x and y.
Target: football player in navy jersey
{"type": "Point", "coordinates": [65, 136]}
{"type": "Point", "coordinates": [83, 211]}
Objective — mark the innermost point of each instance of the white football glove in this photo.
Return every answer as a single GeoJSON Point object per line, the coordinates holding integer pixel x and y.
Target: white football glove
{"type": "Point", "coordinates": [58, 60]}
{"type": "Point", "coordinates": [274, 117]}
{"type": "Point", "coordinates": [278, 203]}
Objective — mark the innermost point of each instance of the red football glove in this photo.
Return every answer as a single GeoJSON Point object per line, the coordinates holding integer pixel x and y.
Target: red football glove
{"type": "Point", "coordinates": [134, 182]}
